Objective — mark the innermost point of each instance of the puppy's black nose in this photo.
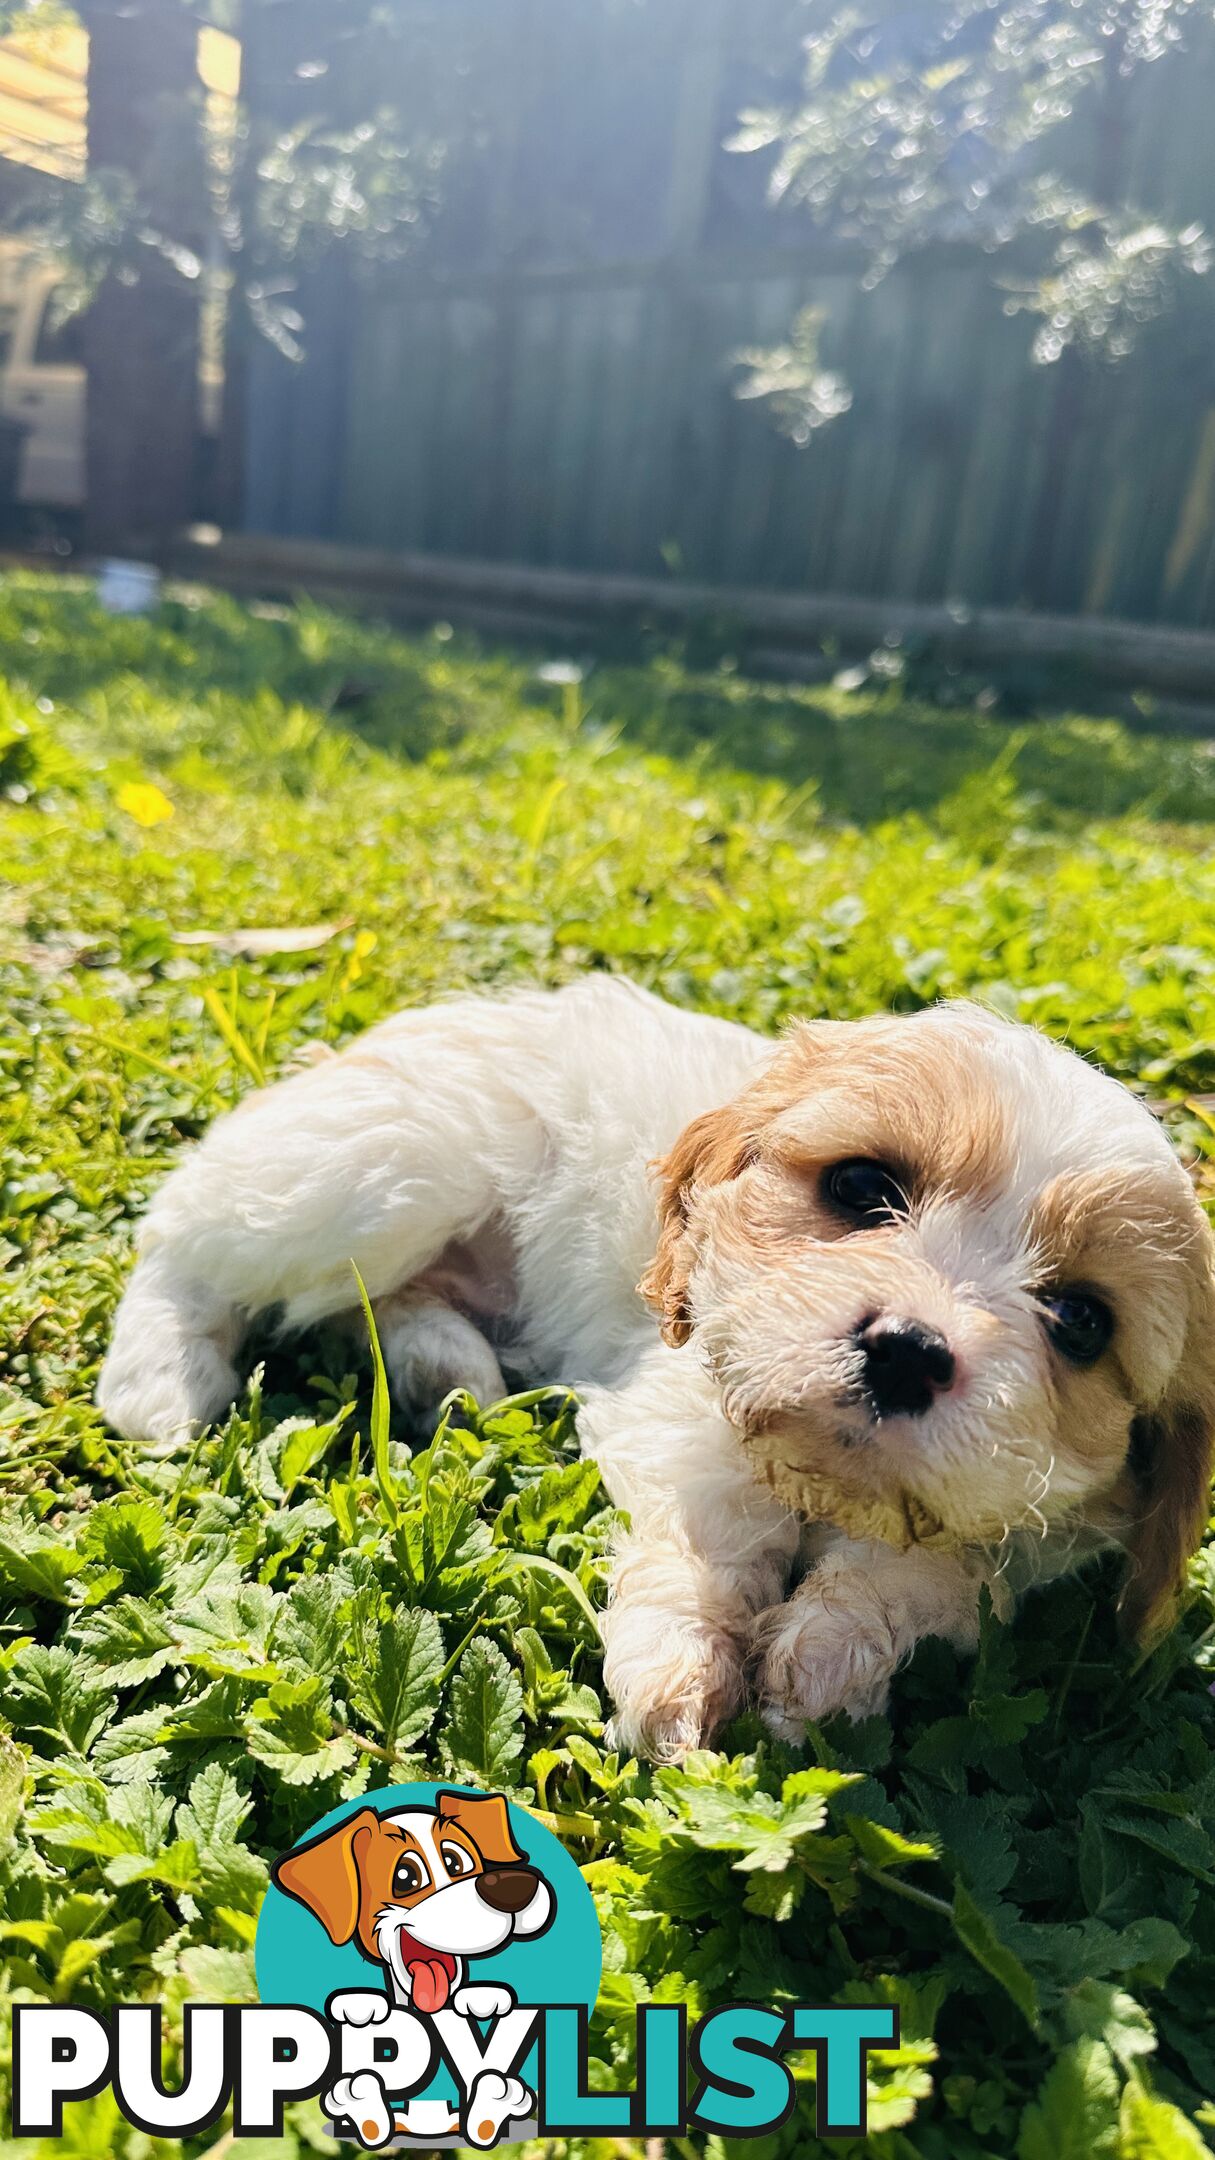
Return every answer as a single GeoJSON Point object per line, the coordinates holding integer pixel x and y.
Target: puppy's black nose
{"type": "Point", "coordinates": [507, 1889]}
{"type": "Point", "coordinates": [907, 1364]}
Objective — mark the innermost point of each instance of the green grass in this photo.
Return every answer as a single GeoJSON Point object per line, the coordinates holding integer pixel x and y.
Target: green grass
{"type": "Point", "coordinates": [200, 1654]}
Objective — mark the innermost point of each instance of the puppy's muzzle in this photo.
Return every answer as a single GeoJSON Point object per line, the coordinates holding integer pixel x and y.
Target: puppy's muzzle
{"type": "Point", "coordinates": [507, 1889]}
{"type": "Point", "coordinates": [907, 1364]}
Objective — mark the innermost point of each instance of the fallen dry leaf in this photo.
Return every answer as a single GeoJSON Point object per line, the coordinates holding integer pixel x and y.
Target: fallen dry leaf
{"type": "Point", "coordinates": [255, 942]}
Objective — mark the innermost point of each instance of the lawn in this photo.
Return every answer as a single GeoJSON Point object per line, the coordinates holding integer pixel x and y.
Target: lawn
{"type": "Point", "coordinates": [201, 1653]}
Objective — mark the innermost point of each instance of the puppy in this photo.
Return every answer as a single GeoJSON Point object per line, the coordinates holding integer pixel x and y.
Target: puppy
{"type": "Point", "coordinates": [421, 1891]}
{"type": "Point", "coordinates": [925, 1303]}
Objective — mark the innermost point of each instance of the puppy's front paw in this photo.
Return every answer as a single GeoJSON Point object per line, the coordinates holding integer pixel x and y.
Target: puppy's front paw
{"type": "Point", "coordinates": [821, 1653]}
{"type": "Point", "coordinates": [673, 1680]}
{"type": "Point", "coordinates": [482, 2000]}
{"type": "Point", "coordinates": [358, 2006]}
{"type": "Point", "coordinates": [494, 2101]}
{"type": "Point", "coordinates": [363, 2100]}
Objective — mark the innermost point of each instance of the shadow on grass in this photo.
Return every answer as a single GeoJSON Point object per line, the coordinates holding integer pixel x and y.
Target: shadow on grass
{"type": "Point", "coordinates": [869, 755]}
{"type": "Point", "coordinates": [874, 754]}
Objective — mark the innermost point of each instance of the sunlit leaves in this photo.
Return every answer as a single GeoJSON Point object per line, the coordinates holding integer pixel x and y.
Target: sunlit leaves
{"type": "Point", "coordinates": [1001, 128]}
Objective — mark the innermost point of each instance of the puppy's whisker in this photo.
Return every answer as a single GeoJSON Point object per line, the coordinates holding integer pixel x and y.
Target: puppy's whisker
{"type": "Point", "coordinates": [1042, 1479]}
{"type": "Point", "coordinates": [1002, 1564]}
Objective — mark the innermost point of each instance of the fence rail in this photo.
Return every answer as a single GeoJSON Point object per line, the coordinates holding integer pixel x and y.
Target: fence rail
{"type": "Point", "coordinates": [1178, 665]}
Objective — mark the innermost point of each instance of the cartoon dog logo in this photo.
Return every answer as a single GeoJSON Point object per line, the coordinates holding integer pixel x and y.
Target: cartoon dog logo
{"type": "Point", "coordinates": [422, 1892]}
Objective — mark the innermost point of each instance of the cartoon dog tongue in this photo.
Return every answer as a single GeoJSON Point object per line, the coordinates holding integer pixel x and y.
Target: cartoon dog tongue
{"type": "Point", "coordinates": [431, 1973]}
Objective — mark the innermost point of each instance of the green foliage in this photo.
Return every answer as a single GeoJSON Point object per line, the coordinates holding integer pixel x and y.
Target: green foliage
{"type": "Point", "coordinates": [202, 1651]}
{"type": "Point", "coordinates": [273, 189]}
{"type": "Point", "coordinates": [1004, 129]}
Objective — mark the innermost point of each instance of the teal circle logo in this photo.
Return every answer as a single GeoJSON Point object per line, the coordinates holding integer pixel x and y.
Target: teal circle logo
{"type": "Point", "coordinates": [416, 1920]}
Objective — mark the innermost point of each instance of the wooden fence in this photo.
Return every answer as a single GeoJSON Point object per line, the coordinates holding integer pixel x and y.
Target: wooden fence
{"type": "Point", "coordinates": [551, 378]}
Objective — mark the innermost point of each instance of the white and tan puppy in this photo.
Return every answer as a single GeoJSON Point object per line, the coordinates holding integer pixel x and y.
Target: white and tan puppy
{"type": "Point", "coordinates": [933, 1281]}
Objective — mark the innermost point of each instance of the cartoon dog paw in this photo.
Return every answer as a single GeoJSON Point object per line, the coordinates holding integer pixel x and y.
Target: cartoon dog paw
{"type": "Point", "coordinates": [358, 2006]}
{"type": "Point", "coordinates": [363, 2099]}
{"type": "Point", "coordinates": [494, 2101]}
{"type": "Point", "coordinates": [483, 2001]}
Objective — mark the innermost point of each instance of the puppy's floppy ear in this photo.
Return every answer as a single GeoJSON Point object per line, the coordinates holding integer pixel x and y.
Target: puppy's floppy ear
{"type": "Point", "coordinates": [709, 1151]}
{"type": "Point", "coordinates": [487, 1823]}
{"type": "Point", "coordinates": [324, 1875]}
{"type": "Point", "coordinates": [1171, 1455]}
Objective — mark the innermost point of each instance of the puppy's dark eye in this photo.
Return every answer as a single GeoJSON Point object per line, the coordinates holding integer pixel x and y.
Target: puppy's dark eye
{"type": "Point", "coordinates": [409, 1875]}
{"type": "Point", "coordinates": [867, 1192]}
{"type": "Point", "coordinates": [1079, 1325]}
{"type": "Point", "coordinates": [456, 1860]}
